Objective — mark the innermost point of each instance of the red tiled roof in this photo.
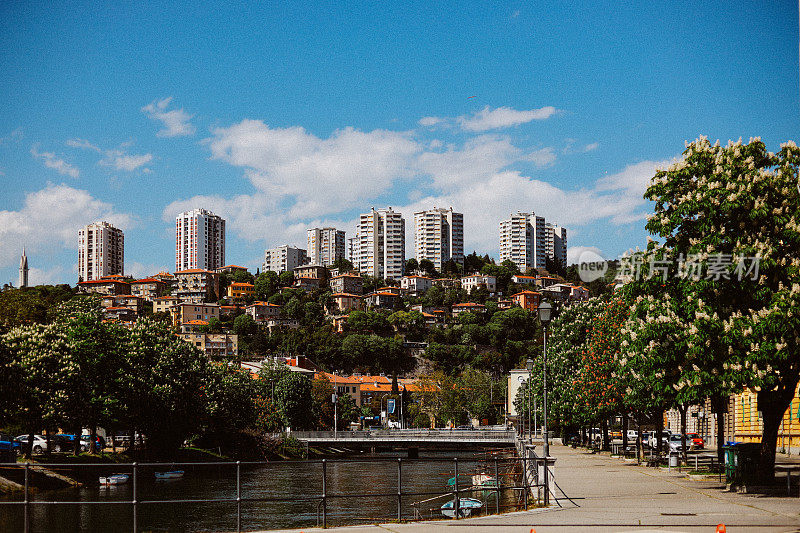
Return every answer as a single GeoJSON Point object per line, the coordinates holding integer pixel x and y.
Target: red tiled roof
{"type": "Point", "coordinates": [119, 309]}
{"type": "Point", "coordinates": [147, 280]}
{"type": "Point", "coordinates": [197, 322]}
{"type": "Point", "coordinates": [96, 281]}
{"type": "Point", "coordinates": [334, 295]}
{"type": "Point", "coordinates": [237, 284]}
{"type": "Point", "coordinates": [384, 294]}
{"type": "Point", "coordinates": [194, 271]}
{"type": "Point", "coordinates": [469, 304]}
{"type": "Point", "coordinates": [346, 276]}
{"type": "Point", "coordinates": [263, 304]}
{"type": "Point", "coordinates": [526, 292]}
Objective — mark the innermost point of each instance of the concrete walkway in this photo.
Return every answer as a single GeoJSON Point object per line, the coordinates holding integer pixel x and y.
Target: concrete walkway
{"type": "Point", "coordinates": [603, 494]}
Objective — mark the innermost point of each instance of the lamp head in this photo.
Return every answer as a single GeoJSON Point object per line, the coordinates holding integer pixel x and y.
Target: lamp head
{"type": "Point", "coordinates": [529, 365]}
{"type": "Point", "coordinates": [545, 311]}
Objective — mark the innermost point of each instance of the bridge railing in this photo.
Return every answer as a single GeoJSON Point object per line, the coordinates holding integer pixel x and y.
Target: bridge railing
{"type": "Point", "coordinates": [408, 434]}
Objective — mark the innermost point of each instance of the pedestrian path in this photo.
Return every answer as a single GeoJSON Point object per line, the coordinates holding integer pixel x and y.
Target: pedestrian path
{"type": "Point", "coordinates": [603, 494]}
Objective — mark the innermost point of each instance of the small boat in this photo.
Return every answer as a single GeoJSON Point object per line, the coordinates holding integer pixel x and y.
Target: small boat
{"type": "Point", "coordinates": [114, 479]}
{"type": "Point", "coordinates": [465, 507]}
{"type": "Point", "coordinates": [483, 480]}
{"type": "Point", "coordinates": [172, 474]}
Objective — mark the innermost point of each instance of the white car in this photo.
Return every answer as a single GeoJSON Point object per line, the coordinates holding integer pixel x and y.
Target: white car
{"type": "Point", "coordinates": [39, 443]}
{"type": "Point", "coordinates": [675, 444]}
{"type": "Point", "coordinates": [653, 443]}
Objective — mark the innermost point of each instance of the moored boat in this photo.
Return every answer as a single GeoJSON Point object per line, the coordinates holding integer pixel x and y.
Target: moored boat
{"type": "Point", "coordinates": [465, 507]}
{"type": "Point", "coordinates": [114, 479]}
{"type": "Point", "coordinates": [172, 474]}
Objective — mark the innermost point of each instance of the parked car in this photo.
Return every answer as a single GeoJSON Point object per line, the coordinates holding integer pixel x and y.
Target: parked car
{"type": "Point", "coordinates": [62, 442]}
{"type": "Point", "coordinates": [695, 440]}
{"type": "Point", "coordinates": [675, 443]}
{"type": "Point", "coordinates": [632, 435]}
{"type": "Point", "coordinates": [653, 443]}
{"type": "Point", "coordinates": [39, 443]}
{"type": "Point", "coordinates": [8, 444]}
{"type": "Point", "coordinates": [86, 442]}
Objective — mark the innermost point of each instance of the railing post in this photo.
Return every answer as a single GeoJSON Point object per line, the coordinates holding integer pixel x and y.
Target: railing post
{"type": "Point", "coordinates": [455, 489]}
{"type": "Point", "coordinates": [399, 489]}
{"type": "Point", "coordinates": [238, 496]}
{"type": "Point", "coordinates": [27, 503]}
{"type": "Point", "coordinates": [324, 494]}
{"type": "Point", "coordinates": [134, 502]}
{"type": "Point", "coordinates": [525, 477]}
{"type": "Point", "coordinates": [497, 488]}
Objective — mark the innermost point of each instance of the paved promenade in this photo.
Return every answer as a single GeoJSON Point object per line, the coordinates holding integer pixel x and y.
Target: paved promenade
{"type": "Point", "coordinates": [601, 494]}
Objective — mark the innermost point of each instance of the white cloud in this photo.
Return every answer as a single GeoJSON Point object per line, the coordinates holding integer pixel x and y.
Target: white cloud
{"type": "Point", "coordinates": [321, 175]}
{"type": "Point", "coordinates": [56, 163]}
{"type": "Point", "coordinates": [116, 158]}
{"type": "Point", "coordinates": [176, 121]}
{"type": "Point", "coordinates": [13, 136]}
{"type": "Point", "coordinates": [49, 221]}
{"type": "Point", "coordinates": [542, 157]}
{"type": "Point", "coordinates": [139, 270]}
{"type": "Point", "coordinates": [591, 147]}
{"type": "Point", "coordinates": [44, 276]}
{"type": "Point", "coordinates": [503, 117]}
{"type": "Point", "coordinates": [430, 121]}
{"type": "Point", "coordinates": [574, 253]}
{"type": "Point", "coordinates": [301, 180]}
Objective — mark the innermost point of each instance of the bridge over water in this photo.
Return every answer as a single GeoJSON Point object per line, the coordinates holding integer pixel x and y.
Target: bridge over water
{"type": "Point", "coordinates": [410, 438]}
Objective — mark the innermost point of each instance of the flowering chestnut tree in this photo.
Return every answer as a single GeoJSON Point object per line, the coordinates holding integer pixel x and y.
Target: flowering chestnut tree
{"type": "Point", "coordinates": [735, 211]}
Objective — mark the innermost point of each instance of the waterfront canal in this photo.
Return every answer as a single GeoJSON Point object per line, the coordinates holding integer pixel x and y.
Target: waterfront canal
{"type": "Point", "coordinates": [289, 480]}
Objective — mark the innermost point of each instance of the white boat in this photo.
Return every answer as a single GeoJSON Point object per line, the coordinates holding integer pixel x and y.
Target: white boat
{"type": "Point", "coordinates": [172, 474]}
{"type": "Point", "coordinates": [465, 507]}
{"type": "Point", "coordinates": [114, 479]}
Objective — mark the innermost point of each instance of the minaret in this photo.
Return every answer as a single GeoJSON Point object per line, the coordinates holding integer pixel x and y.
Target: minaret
{"type": "Point", "coordinates": [23, 270]}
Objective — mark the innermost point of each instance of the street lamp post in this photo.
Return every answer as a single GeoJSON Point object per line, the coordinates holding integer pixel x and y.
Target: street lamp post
{"type": "Point", "coordinates": [545, 310]}
{"type": "Point", "coordinates": [529, 366]}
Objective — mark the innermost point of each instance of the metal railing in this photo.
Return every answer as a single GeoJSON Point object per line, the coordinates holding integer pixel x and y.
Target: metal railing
{"type": "Point", "coordinates": [410, 434]}
{"type": "Point", "coordinates": [517, 469]}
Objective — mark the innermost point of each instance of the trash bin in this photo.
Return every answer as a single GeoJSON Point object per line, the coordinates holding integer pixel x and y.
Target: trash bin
{"type": "Point", "coordinates": [673, 460]}
{"type": "Point", "coordinates": [741, 463]}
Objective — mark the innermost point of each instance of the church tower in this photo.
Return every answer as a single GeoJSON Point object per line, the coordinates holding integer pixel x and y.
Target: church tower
{"type": "Point", "coordinates": [23, 270]}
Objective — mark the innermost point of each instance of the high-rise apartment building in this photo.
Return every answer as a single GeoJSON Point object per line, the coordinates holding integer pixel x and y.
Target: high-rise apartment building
{"type": "Point", "coordinates": [379, 248]}
{"type": "Point", "coordinates": [199, 240]}
{"type": "Point", "coordinates": [101, 251]}
{"type": "Point", "coordinates": [556, 243]}
{"type": "Point", "coordinates": [283, 258]}
{"type": "Point", "coordinates": [523, 240]}
{"type": "Point", "coordinates": [439, 236]}
{"type": "Point", "coordinates": [23, 271]}
{"type": "Point", "coordinates": [325, 245]}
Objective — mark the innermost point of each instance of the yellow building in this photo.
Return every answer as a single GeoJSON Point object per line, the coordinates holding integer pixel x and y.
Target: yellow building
{"type": "Point", "coordinates": [239, 291]}
{"type": "Point", "coordinates": [748, 423]}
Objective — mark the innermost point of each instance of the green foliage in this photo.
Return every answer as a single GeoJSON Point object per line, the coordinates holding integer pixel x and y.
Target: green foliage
{"type": "Point", "coordinates": [266, 285]}
{"type": "Point", "coordinates": [31, 304]}
{"type": "Point", "coordinates": [293, 397]}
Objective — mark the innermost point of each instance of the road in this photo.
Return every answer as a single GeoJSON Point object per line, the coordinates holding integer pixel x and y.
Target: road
{"type": "Point", "coordinates": [603, 494]}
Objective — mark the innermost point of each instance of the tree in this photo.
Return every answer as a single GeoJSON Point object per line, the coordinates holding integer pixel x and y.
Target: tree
{"type": "Point", "coordinates": [163, 386]}
{"type": "Point", "coordinates": [293, 398]}
{"type": "Point", "coordinates": [428, 267]}
{"type": "Point", "coordinates": [719, 206]}
{"type": "Point", "coordinates": [321, 402]}
{"type": "Point", "coordinates": [266, 284]}
{"type": "Point", "coordinates": [411, 266]}
{"type": "Point", "coordinates": [342, 265]}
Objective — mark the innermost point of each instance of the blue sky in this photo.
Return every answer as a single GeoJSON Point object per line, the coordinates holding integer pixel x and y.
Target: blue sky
{"type": "Point", "coordinates": [280, 117]}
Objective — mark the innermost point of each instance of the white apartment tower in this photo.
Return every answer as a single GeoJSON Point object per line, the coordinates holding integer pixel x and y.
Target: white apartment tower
{"type": "Point", "coordinates": [101, 251]}
{"type": "Point", "coordinates": [439, 236]}
{"type": "Point", "coordinates": [23, 271]}
{"type": "Point", "coordinates": [523, 240]}
{"type": "Point", "coordinates": [325, 245]}
{"type": "Point", "coordinates": [199, 240]}
{"type": "Point", "coordinates": [283, 258]}
{"type": "Point", "coordinates": [556, 243]}
{"type": "Point", "coordinates": [379, 248]}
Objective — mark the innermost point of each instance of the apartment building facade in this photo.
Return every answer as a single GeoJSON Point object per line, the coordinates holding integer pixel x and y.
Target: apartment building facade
{"type": "Point", "coordinates": [101, 251]}
{"type": "Point", "coordinates": [523, 241]}
{"type": "Point", "coordinates": [283, 258]}
{"type": "Point", "coordinates": [197, 285]}
{"type": "Point", "coordinates": [556, 243]}
{"type": "Point", "coordinates": [199, 240]}
{"type": "Point", "coordinates": [379, 248]}
{"type": "Point", "coordinates": [325, 245]}
{"type": "Point", "coordinates": [439, 236]}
